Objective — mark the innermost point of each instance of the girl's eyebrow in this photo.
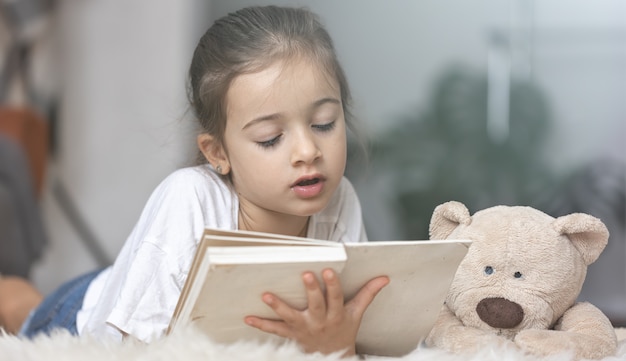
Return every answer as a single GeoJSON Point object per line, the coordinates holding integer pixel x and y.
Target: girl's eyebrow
{"type": "Point", "coordinates": [262, 118]}
{"type": "Point", "coordinates": [323, 101]}
{"type": "Point", "coordinates": [275, 116]}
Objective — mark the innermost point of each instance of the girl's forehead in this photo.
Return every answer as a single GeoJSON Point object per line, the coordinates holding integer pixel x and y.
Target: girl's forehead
{"type": "Point", "coordinates": [300, 75]}
{"type": "Point", "coordinates": [281, 90]}
{"type": "Point", "coordinates": [288, 70]}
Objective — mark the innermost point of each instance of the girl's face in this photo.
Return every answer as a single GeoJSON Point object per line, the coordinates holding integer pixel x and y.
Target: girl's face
{"type": "Point", "coordinates": [285, 139]}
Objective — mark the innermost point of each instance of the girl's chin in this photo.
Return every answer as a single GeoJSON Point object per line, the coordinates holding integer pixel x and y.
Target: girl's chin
{"type": "Point", "coordinates": [308, 210]}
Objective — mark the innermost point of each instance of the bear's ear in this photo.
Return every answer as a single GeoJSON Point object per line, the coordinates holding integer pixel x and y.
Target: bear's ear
{"type": "Point", "coordinates": [446, 217]}
{"type": "Point", "coordinates": [587, 233]}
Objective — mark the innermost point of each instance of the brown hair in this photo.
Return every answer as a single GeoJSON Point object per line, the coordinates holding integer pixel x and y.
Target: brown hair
{"type": "Point", "coordinates": [249, 40]}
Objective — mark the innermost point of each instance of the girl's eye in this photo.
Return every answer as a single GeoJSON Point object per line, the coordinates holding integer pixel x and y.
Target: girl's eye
{"type": "Point", "coordinates": [270, 143]}
{"type": "Point", "coordinates": [325, 127]}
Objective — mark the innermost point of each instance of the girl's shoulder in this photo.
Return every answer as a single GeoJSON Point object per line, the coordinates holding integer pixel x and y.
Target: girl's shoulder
{"type": "Point", "coordinates": [197, 172]}
{"type": "Point", "coordinates": [192, 185]}
{"type": "Point", "coordinates": [197, 178]}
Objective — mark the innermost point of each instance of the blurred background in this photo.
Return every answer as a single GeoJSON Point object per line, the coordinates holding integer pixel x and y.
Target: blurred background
{"type": "Point", "coordinates": [485, 102]}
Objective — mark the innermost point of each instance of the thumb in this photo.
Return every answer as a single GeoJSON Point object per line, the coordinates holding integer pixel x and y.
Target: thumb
{"type": "Point", "coordinates": [366, 295]}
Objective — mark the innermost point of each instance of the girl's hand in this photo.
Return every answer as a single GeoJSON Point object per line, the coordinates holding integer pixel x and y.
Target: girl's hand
{"type": "Point", "coordinates": [327, 325]}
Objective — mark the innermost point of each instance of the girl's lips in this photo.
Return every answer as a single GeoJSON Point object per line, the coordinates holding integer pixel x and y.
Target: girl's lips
{"type": "Point", "coordinates": [309, 186]}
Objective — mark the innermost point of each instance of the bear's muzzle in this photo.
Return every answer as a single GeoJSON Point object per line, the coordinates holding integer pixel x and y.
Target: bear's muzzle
{"type": "Point", "coordinates": [499, 312]}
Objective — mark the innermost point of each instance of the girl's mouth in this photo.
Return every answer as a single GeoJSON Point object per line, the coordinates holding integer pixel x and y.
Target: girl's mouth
{"type": "Point", "coordinates": [308, 187]}
{"type": "Point", "coordinates": [308, 182]}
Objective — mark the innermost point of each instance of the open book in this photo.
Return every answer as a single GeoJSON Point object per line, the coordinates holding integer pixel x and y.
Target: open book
{"type": "Point", "coordinates": [232, 269]}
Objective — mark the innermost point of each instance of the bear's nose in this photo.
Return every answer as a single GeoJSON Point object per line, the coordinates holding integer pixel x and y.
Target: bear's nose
{"type": "Point", "coordinates": [499, 312]}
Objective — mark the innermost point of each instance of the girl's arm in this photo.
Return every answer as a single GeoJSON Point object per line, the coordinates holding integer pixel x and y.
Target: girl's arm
{"type": "Point", "coordinates": [328, 325]}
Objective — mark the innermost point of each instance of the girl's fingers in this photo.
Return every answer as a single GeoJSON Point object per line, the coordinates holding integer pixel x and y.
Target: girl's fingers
{"type": "Point", "coordinates": [334, 294]}
{"type": "Point", "coordinates": [288, 317]}
{"type": "Point", "coordinates": [270, 326]}
{"type": "Point", "coordinates": [284, 311]}
{"type": "Point", "coordinates": [366, 295]}
{"type": "Point", "coordinates": [327, 323]}
{"type": "Point", "coordinates": [315, 296]}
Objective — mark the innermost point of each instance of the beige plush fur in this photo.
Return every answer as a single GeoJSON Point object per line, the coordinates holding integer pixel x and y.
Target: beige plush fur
{"type": "Point", "coordinates": [518, 284]}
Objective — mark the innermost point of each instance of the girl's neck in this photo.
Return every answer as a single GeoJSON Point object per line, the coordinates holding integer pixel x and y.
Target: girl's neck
{"type": "Point", "coordinates": [276, 223]}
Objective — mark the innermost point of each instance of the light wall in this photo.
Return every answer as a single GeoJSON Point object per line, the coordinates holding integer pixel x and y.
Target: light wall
{"type": "Point", "coordinates": [123, 122]}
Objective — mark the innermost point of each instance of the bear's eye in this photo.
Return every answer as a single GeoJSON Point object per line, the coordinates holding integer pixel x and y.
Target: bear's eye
{"type": "Point", "coordinates": [517, 275]}
{"type": "Point", "coordinates": [488, 270]}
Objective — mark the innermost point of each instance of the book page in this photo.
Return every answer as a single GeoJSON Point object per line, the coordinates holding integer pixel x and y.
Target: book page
{"type": "Point", "coordinates": [215, 234]}
{"type": "Point", "coordinates": [222, 262]}
{"type": "Point", "coordinates": [403, 313]}
{"type": "Point", "coordinates": [225, 292]}
{"type": "Point", "coordinates": [218, 237]}
{"type": "Point", "coordinates": [223, 288]}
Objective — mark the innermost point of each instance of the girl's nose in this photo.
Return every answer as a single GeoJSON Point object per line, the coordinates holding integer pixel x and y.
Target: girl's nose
{"type": "Point", "coordinates": [305, 148]}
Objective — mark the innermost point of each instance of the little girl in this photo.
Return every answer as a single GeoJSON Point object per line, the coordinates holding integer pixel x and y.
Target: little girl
{"type": "Point", "coordinates": [272, 100]}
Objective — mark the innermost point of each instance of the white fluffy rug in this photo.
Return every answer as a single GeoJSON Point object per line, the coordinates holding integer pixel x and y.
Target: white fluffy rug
{"type": "Point", "coordinates": [190, 346]}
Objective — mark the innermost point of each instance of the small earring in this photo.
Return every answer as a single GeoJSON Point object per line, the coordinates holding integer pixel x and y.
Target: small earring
{"type": "Point", "coordinates": [219, 169]}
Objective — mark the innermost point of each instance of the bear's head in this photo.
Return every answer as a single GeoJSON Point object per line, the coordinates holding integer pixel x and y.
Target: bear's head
{"type": "Point", "coordinates": [524, 268]}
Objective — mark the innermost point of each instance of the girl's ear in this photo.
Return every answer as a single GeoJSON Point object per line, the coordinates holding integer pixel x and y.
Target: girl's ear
{"type": "Point", "coordinates": [214, 153]}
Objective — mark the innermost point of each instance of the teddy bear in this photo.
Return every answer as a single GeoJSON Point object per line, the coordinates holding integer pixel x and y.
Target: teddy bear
{"type": "Point", "coordinates": [519, 282]}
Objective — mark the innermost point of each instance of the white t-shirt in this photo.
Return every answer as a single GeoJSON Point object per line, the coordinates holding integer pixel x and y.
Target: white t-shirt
{"type": "Point", "coordinates": [139, 292]}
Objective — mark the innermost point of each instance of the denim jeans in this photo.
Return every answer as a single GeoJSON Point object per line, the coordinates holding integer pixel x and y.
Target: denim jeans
{"type": "Point", "coordinates": [59, 309]}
